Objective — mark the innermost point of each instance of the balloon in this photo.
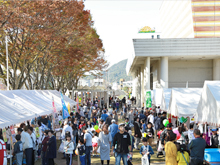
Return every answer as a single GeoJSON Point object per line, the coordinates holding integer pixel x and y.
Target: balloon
{"type": "Point", "coordinates": [165, 122]}
{"type": "Point", "coordinates": [177, 134]}
{"type": "Point", "coordinates": [98, 130]}
{"type": "Point", "coordinates": [96, 127]}
{"type": "Point", "coordinates": [76, 152]}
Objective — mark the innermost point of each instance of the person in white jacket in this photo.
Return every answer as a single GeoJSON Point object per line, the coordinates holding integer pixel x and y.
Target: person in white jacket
{"type": "Point", "coordinates": [68, 148]}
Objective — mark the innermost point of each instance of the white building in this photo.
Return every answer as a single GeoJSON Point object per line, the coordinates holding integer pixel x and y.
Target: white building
{"type": "Point", "coordinates": [127, 84]}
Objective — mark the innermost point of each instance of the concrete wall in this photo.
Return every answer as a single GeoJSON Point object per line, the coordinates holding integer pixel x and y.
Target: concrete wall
{"type": "Point", "coordinates": [195, 72]}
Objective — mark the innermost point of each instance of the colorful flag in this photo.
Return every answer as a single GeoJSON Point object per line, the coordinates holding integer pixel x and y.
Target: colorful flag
{"type": "Point", "coordinates": [68, 106]}
{"type": "Point", "coordinates": [53, 104]}
{"type": "Point", "coordinates": [77, 105]}
{"type": "Point", "coordinates": [65, 110]}
{"type": "Point", "coordinates": [4, 135]}
{"type": "Point", "coordinates": [37, 132]}
{"type": "Point", "coordinates": [148, 99]}
{"type": "Point", "coordinates": [12, 130]}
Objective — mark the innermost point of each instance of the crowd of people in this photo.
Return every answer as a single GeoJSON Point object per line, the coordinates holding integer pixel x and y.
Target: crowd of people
{"type": "Point", "coordinates": [94, 131]}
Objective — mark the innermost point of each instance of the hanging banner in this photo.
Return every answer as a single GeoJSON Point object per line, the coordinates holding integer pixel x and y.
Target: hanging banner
{"type": "Point", "coordinates": [148, 99]}
{"type": "Point", "coordinates": [68, 106]}
{"type": "Point", "coordinates": [77, 105]}
{"type": "Point", "coordinates": [12, 130]}
{"type": "Point", "coordinates": [37, 132]}
{"type": "Point", "coordinates": [53, 104]}
{"type": "Point", "coordinates": [65, 110]}
{"type": "Point", "coordinates": [4, 135]}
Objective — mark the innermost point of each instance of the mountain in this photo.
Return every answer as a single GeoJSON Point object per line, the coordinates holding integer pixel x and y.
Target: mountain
{"type": "Point", "coordinates": [116, 72]}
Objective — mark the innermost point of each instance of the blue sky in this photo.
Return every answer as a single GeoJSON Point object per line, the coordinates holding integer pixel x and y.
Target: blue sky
{"type": "Point", "coordinates": [117, 22]}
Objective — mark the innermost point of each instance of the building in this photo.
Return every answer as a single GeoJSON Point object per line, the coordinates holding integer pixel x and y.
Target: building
{"type": "Point", "coordinates": [190, 18]}
{"type": "Point", "coordinates": [187, 54]}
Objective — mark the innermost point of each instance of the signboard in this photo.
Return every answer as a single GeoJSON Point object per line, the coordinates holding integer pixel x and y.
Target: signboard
{"type": "Point", "coordinates": [146, 29]}
{"type": "Point", "coordinates": [148, 99]}
{"type": "Point", "coordinates": [12, 130]}
{"type": "Point", "coordinates": [37, 132]}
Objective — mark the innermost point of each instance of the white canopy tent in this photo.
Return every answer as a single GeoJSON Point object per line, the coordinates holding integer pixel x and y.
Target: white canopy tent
{"type": "Point", "coordinates": [20, 105]}
{"type": "Point", "coordinates": [166, 94]}
{"type": "Point", "coordinates": [184, 101]}
{"type": "Point", "coordinates": [208, 109]}
{"type": "Point", "coordinates": [157, 96]}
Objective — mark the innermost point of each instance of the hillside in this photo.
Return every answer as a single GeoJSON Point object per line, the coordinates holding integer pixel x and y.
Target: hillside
{"type": "Point", "coordinates": [116, 72]}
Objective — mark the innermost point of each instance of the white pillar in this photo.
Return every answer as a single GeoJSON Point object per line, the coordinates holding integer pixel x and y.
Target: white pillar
{"type": "Point", "coordinates": [147, 75]}
{"type": "Point", "coordinates": [134, 84]}
{"type": "Point", "coordinates": [164, 72]}
{"type": "Point", "coordinates": [216, 69]}
{"type": "Point", "coordinates": [142, 85]}
{"type": "Point", "coordinates": [138, 102]}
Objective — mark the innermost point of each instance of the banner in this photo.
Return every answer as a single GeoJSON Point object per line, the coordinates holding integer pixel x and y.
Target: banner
{"type": "Point", "coordinates": [37, 132]}
{"type": "Point", "coordinates": [68, 107]}
{"type": "Point", "coordinates": [4, 135]}
{"type": "Point", "coordinates": [12, 130]}
{"type": "Point", "coordinates": [148, 99]}
{"type": "Point", "coordinates": [77, 105]}
{"type": "Point", "coordinates": [65, 110]}
{"type": "Point", "coordinates": [53, 104]}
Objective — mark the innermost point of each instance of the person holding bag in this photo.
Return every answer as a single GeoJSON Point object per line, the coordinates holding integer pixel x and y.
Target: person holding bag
{"type": "Point", "coordinates": [146, 151]}
{"type": "Point", "coordinates": [182, 155]}
{"type": "Point", "coordinates": [171, 149]}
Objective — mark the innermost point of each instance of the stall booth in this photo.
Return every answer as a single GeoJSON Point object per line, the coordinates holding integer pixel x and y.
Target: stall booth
{"type": "Point", "coordinates": [183, 104]}
{"type": "Point", "coordinates": [208, 112]}
{"type": "Point", "coordinates": [166, 94]}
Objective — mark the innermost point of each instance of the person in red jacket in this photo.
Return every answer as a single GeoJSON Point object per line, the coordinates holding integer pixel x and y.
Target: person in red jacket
{"type": "Point", "coordinates": [44, 148]}
{"type": "Point", "coordinates": [3, 159]}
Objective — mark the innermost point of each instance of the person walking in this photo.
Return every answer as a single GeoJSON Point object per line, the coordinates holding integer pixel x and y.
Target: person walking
{"type": "Point", "coordinates": [27, 145]}
{"type": "Point", "coordinates": [197, 148]}
{"type": "Point", "coordinates": [123, 141]}
{"type": "Point", "coordinates": [68, 148]}
{"type": "Point", "coordinates": [44, 148]}
{"type": "Point", "coordinates": [88, 142]}
{"type": "Point", "coordinates": [171, 150]}
{"type": "Point", "coordinates": [105, 139]}
{"type": "Point", "coordinates": [51, 152]}
{"type": "Point", "coordinates": [137, 133]}
{"type": "Point", "coordinates": [113, 129]}
{"type": "Point", "coordinates": [131, 116]}
{"type": "Point", "coordinates": [18, 150]}
{"type": "Point", "coordinates": [115, 116]}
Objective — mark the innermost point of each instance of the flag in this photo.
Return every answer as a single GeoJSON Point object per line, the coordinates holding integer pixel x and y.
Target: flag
{"type": "Point", "coordinates": [68, 106]}
{"type": "Point", "coordinates": [77, 105]}
{"type": "Point", "coordinates": [65, 110]}
{"type": "Point", "coordinates": [53, 104]}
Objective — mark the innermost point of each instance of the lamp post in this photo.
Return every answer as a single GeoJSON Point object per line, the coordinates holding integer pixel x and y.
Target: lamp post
{"type": "Point", "coordinates": [6, 42]}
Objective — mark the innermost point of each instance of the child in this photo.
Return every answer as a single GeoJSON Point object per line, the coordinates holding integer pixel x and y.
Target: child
{"type": "Point", "coordinates": [82, 151]}
{"type": "Point", "coordinates": [182, 155]}
{"type": "Point", "coordinates": [143, 126]}
{"type": "Point", "coordinates": [146, 149]}
{"type": "Point", "coordinates": [68, 148]}
{"type": "Point", "coordinates": [18, 150]}
{"type": "Point", "coordinates": [150, 133]}
{"type": "Point", "coordinates": [95, 144]}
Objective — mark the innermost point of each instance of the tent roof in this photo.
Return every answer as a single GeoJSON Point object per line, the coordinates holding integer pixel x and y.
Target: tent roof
{"type": "Point", "coordinates": [17, 106]}
{"type": "Point", "coordinates": [208, 108]}
{"type": "Point", "coordinates": [184, 101]}
{"type": "Point", "coordinates": [157, 96]}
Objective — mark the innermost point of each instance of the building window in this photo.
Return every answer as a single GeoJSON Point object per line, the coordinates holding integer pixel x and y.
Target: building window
{"type": "Point", "coordinates": [152, 36]}
{"type": "Point", "coordinates": [158, 36]}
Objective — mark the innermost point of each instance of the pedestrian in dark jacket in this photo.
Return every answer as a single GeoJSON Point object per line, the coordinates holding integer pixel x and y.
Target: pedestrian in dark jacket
{"type": "Point", "coordinates": [137, 133]}
{"type": "Point", "coordinates": [197, 148]}
{"type": "Point", "coordinates": [18, 150]}
{"type": "Point", "coordinates": [52, 148]}
{"type": "Point", "coordinates": [44, 148]}
{"type": "Point", "coordinates": [214, 139]}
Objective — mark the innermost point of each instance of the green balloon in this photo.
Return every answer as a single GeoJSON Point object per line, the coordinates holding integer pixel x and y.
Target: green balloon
{"type": "Point", "coordinates": [167, 122]}
{"type": "Point", "coordinates": [96, 127]}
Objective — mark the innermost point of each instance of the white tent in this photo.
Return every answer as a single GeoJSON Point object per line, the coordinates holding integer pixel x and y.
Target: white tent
{"type": "Point", "coordinates": [20, 105]}
{"type": "Point", "coordinates": [208, 109]}
{"type": "Point", "coordinates": [157, 96]}
{"type": "Point", "coordinates": [184, 101]}
{"type": "Point", "coordinates": [166, 94]}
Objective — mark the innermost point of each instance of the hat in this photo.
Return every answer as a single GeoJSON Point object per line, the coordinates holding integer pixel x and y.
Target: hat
{"type": "Point", "coordinates": [169, 125]}
{"type": "Point", "coordinates": [214, 129]}
{"type": "Point", "coordinates": [113, 120]}
{"type": "Point", "coordinates": [122, 124]}
{"type": "Point", "coordinates": [104, 111]}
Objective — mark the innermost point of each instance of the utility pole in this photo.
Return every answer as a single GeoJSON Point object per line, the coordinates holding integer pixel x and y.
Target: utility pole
{"type": "Point", "coordinates": [6, 42]}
